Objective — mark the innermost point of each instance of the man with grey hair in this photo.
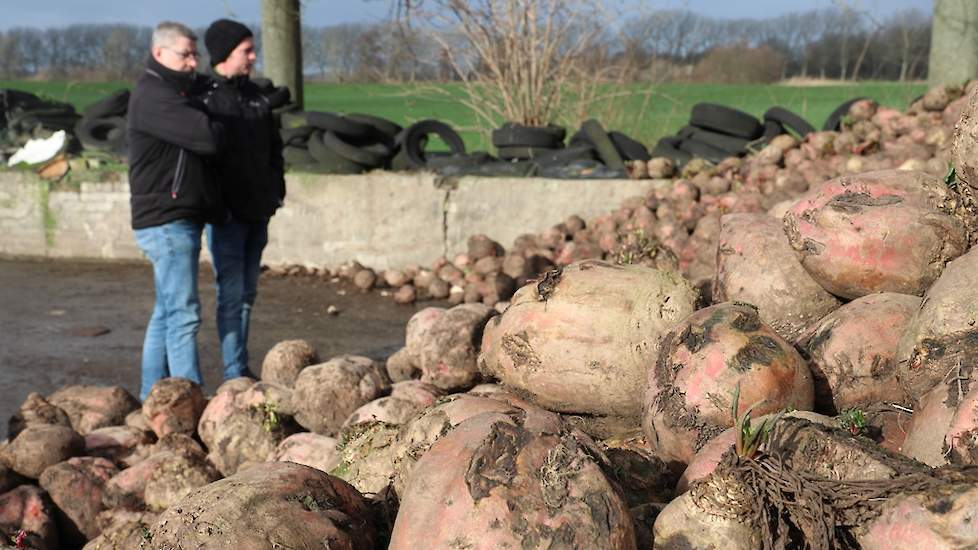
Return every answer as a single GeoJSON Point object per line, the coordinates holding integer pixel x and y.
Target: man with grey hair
{"type": "Point", "coordinates": [173, 194]}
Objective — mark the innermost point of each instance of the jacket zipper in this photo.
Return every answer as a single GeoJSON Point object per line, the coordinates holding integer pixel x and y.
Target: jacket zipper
{"type": "Point", "coordinates": [178, 175]}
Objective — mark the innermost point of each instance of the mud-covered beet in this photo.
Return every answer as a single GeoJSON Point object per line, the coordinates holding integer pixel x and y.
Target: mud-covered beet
{"type": "Point", "coordinates": [247, 426]}
{"type": "Point", "coordinates": [939, 516]}
{"type": "Point", "coordinates": [76, 487]}
{"type": "Point", "coordinates": [280, 503]}
{"type": "Point", "coordinates": [891, 230]}
{"type": "Point", "coordinates": [702, 362]}
{"type": "Point", "coordinates": [326, 394]}
{"type": "Point", "coordinates": [28, 508]}
{"type": "Point", "coordinates": [941, 340]}
{"type": "Point", "coordinates": [498, 482]}
{"type": "Point", "coordinates": [174, 405]}
{"type": "Point", "coordinates": [755, 264]}
{"type": "Point", "coordinates": [581, 339]}
{"type": "Point", "coordinates": [725, 508]}
{"type": "Point", "coordinates": [286, 359]}
{"type": "Point", "coordinates": [852, 351]}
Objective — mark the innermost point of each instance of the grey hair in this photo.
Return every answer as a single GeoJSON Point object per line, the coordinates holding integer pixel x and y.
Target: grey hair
{"type": "Point", "coordinates": [167, 32]}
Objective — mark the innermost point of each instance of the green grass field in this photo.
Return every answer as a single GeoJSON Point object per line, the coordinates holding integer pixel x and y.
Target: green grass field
{"type": "Point", "coordinates": [646, 112]}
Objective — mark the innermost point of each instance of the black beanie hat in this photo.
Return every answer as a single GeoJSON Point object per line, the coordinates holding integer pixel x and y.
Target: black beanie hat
{"type": "Point", "coordinates": [222, 37]}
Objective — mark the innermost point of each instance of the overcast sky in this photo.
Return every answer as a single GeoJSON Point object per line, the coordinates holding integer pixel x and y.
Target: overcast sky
{"type": "Point", "coordinates": [56, 13]}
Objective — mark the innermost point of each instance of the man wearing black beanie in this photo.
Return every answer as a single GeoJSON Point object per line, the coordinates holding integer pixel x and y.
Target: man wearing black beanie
{"type": "Point", "coordinates": [250, 171]}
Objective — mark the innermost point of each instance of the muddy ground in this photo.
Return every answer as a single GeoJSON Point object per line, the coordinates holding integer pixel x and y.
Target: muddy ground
{"type": "Point", "coordinates": [83, 323]}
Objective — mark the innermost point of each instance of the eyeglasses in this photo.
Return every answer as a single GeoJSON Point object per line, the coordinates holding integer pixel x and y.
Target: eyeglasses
{"type": "Point", "coordinates": [184, 55]}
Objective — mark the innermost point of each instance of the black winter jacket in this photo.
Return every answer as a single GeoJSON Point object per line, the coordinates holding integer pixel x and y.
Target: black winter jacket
{"type": "Point", "coordinates": [170, 138]}
{"type": "Point", "coordinates": [250, 168]}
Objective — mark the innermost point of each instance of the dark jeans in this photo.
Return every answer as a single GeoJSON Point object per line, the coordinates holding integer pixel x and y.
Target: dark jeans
{"type": "Point", "coordinates": [170, 345]}
{"type": "Point", "coordinates": [236, 248]}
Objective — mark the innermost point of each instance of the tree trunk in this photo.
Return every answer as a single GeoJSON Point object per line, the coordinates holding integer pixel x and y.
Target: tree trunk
{"type": "Point", "coordinates": [954, 42]}
{"type": "Point", "coordinates": [282, 45]}
{"type": "Point", "coordinates": [862, 56]}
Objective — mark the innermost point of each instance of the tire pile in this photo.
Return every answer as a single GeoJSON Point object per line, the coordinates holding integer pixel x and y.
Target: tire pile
{"type": "Point", "coordinates": [25, 116]}
{"type": "Point", "coordinates": [102, 126]}
{"type": "Point", "coordinates": [591, 152]}
{"type": "Point", "coordinates": [716, 132]}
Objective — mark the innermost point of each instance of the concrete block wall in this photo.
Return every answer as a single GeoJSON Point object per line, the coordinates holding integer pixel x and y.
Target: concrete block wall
{"type": "Point", "coordinates": [380, 219]}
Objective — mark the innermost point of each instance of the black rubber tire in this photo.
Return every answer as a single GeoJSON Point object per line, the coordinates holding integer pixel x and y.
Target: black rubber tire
{"type": "Point", "coordinates": [582, 169]}
{"type": "Point", "coordinates": [505, 168]}
{"type": "Point", "coordinates": [834, 121]}
{"type": "Point", "coordinates": [725, 120]}
{"type": "Point", "coordinates": [11, 99]}
{"type": "Point", "coordinates": [523, 152]}
{"type": "Point", "coordinates": [331, 161]}
{"type": "Point", "coordinates": [518, 135]}
{"type": "Point", "coordinates": [476, 158]}
{"type": "Point", "coordinates": [297, 155]}
{"type": "Point", "coordinates": [116, 105]}
{"type": "Point", "coordinates": [605, 148]}
{"type": "Point", "coordinates": [788, 120]}
{"type": "Point", "coordinates": [278, 97]}
{"type": "Point", "coordinates": [578, 139]}
{"type": "Point", "coordinates": [401, 163]}
{"type": "Point", "coordinates": [772, 129]}
{"type": "Point", "coordinates": [105, 134]}
{"type": "Point", "coordinates": [361, 156]}
{"type": "Point", "coordinates": [296, 136]}
{"type": "Point", "coordinates": [668, 147]}
{"type": "Point", "coordinates": [416, 137]}
{"type": "Point", "coordinates": [730, 144]}
{"type": "Point", "coordinates": [388, 128]}
{"type": "Point", "coordinates": [628, 148]}
{"type": "Point", "coordinates": [703, 150]}
{"type": "Point", "coordinates": [340, 125]}
{"type": "Point", "coordinates": [379, 148]}
{"type": "Point", "coordinates": [560, 157]}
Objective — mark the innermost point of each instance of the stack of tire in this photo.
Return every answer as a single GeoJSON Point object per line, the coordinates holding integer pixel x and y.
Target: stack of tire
{"type": "Point", "coordinates": [540, 151]}
{"type": "Point", "coordinates": [412, 145]}
{"type": "Point", "coordinates": [102, 126]}
{"type": "Point", "coordinates": [25, 116]}
{"type": "Point", "coordinates": [602, 154]}
{"type": "Point", "coordinates": [331, 143]}
{"type": "Point", "coordinates": [716, 132]}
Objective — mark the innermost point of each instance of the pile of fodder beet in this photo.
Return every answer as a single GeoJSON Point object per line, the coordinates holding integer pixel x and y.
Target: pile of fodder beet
{"type": "Point", "coordinates": [677, 221]}
{"type": "Point", "coordinates": [820, 395]}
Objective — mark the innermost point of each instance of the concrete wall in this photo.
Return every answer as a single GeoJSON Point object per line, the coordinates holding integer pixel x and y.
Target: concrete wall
{"type": "Point", "coordinates": [379, 219]}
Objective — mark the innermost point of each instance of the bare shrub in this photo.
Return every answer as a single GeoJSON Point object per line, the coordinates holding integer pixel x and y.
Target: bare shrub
{"type": "Point", "coordinates": [529, 61]}
{"type": "Point", "coordinates": [739, 64]}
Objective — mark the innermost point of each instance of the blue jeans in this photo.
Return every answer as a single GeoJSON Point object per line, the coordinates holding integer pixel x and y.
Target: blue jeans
{"type": "Point", "coordinates": [236, 249]}
{"type": "Point", "coordinates": [170, 345]}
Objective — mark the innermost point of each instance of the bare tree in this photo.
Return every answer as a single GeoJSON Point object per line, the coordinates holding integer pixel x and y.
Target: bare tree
{"type": "Point", "coordinates": [314, 49]}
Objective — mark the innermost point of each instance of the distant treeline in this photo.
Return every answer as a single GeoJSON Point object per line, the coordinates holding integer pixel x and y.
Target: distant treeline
{"type": "Point", "coordinates": [667, 45]}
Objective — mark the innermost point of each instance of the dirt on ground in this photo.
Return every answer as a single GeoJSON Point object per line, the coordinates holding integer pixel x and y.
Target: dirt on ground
{"type": "Point", "coordinates": [74, 322]}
